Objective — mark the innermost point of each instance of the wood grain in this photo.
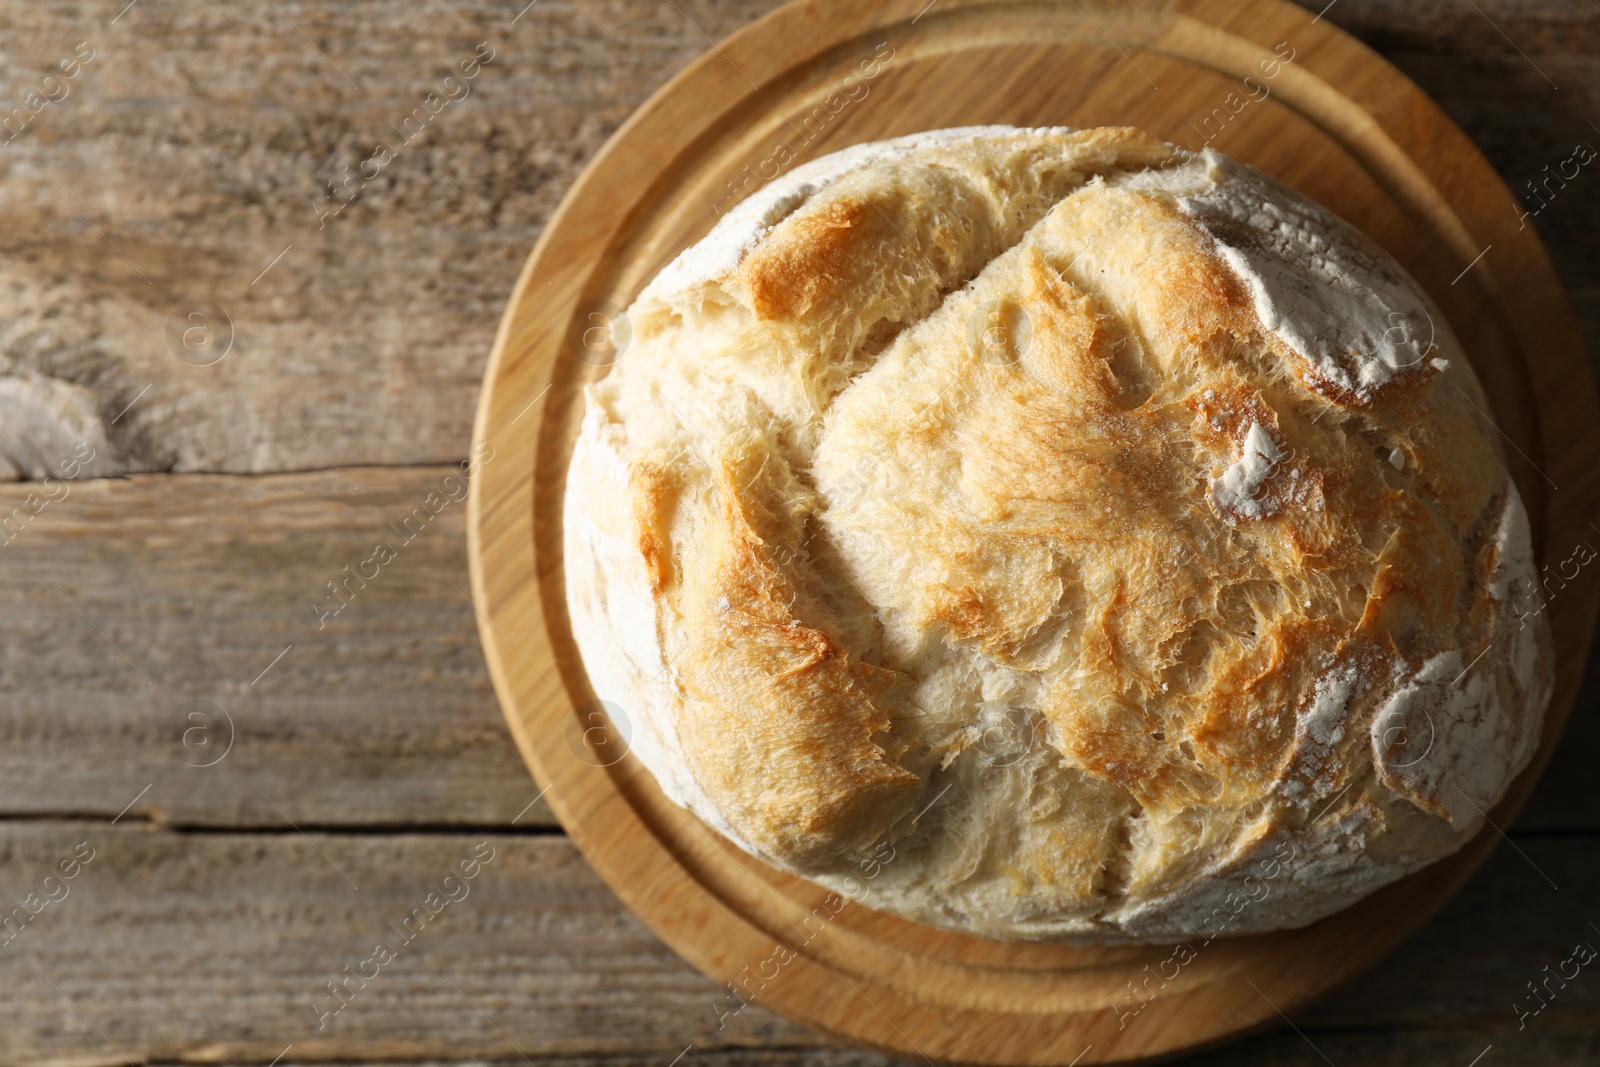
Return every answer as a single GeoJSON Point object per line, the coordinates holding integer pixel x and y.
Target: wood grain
{"type": "Point", "coordinates": [380, 714]}
{"type": "Point", "coordinates": [225, 944]}
{"type": "Point", "coordinates": [1340, 126]}
{"type": "Point", "coordinates": [223, 941]}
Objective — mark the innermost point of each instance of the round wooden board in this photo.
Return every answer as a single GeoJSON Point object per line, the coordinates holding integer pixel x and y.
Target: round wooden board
{"type": "Point", "coordinates": [1333, 120]}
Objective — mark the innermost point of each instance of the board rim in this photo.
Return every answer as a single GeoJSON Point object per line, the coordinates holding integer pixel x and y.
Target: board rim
{"type": "Point", "coordinates": [1471, 196]}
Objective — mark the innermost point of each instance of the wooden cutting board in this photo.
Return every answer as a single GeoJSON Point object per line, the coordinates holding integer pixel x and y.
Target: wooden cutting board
{"type": "Point", "coordinates": [1261, 80]}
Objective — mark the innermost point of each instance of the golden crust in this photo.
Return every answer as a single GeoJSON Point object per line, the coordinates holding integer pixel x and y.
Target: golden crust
{"type": "Point", "coordinates": [762, 688]}
{"type": "Point", "coordinates": [991, 508]}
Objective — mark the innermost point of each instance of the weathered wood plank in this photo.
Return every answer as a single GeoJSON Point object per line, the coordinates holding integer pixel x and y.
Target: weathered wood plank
{"type": "Point", "coordinates": [189, 588]}
{"type": "Point", "coordinates": [217, 945]}
{"type": "Point", "coordinates": [224, 946]}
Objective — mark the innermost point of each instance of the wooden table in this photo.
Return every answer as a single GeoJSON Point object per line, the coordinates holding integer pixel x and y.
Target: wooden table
{"type": "Point", "coordinates": [256, 767]}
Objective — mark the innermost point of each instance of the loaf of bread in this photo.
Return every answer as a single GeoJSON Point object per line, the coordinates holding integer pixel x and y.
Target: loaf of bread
{"type": "Point", "coordinates": [1056, 534]}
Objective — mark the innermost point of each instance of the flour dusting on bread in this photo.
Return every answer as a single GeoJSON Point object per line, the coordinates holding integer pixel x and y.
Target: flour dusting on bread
{"type": "Point", "coordinates": [1323, 289]}
{"type": "Point", "coordinates": [1081, 521]}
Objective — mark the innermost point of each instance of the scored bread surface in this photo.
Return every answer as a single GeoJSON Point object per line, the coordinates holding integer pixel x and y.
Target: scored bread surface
{"type": "Point", "coordinates": [1056, 534]}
